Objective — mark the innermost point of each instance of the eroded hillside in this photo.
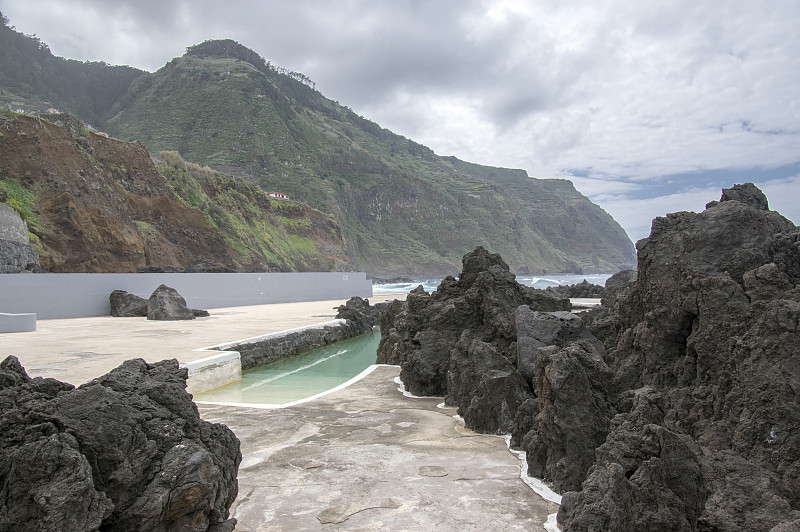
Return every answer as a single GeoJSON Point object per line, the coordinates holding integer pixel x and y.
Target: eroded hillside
{"type": "Point", "coordinates": [402, 208]}
{"type": "Point", "coordinates": [97, 204]}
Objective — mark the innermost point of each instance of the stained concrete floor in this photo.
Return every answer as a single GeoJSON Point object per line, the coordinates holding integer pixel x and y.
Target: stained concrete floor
{"type": "Point", "coordinates": [369, 458]}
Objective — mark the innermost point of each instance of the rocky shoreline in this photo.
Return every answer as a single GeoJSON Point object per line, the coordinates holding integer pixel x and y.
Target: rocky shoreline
{"type": "Point", "coordinates": [673, 406]}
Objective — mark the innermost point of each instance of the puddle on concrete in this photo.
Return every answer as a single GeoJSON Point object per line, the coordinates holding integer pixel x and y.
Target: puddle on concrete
{"type": "Point", "coordinates": [300, 376]}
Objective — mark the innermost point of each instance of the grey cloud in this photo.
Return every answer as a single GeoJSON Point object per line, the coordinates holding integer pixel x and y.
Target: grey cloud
{"type": "Point", "coordinates": [625, 89]}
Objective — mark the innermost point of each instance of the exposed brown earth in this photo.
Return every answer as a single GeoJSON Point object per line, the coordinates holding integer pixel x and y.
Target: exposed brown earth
{"type": "Point", "coordinates": [101, 205]}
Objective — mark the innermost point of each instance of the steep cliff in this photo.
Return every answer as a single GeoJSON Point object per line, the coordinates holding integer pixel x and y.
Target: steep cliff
{"type": "Point", "coordinates": [403, 209]}
{"type": "Point", "coordinates": [96, 204]}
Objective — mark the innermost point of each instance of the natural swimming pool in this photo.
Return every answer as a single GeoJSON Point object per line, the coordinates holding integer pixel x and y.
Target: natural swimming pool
{"type": "Point", "coordinates": [300, 376]}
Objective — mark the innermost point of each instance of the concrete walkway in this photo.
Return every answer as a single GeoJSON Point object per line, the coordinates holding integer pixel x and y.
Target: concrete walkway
{"type": "Point", "coordinates": [369, 458]}
{"type": "Point", "coordinates": [78, 350]}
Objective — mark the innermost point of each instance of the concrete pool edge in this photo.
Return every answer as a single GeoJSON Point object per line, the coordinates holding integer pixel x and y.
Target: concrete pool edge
{"type": "Point", "coordinates": [268, 406]}
{"type": "Point", "coordinates": [225, 365]}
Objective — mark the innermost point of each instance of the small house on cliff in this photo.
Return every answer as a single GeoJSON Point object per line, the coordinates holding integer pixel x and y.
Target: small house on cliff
{"type": "Point", "coordinates": [278, 195]}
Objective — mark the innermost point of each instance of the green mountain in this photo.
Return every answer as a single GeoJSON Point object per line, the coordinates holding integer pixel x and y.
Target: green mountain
{"type": "Point", "coordinates": [34, 80]}
{"type": "Point", "coordinates": [98, 204]}
{"type": "Point", "coordinates": [402, 208]}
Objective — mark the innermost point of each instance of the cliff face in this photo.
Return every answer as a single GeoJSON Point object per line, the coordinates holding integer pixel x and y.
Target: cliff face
{"type": "Point", "coordinates": [96, 204]}
{"type": "Point", "coordinates": [403, 209]}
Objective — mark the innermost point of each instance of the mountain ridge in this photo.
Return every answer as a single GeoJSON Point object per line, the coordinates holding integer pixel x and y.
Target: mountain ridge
{"type": "Point", "coordinates": [402, 208]}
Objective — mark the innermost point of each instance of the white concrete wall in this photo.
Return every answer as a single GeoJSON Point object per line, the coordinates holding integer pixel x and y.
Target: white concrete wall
{"type": "Point", "coordinates": [212, 372]}
{"type": "Point", "coordinates": [73, 295]}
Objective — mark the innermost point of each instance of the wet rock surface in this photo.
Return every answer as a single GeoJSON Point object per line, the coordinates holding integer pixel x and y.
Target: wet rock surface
{"type": "Point", "coordinates": [674, 406]}
{"type": "Point", "coordinates": [126, 451]}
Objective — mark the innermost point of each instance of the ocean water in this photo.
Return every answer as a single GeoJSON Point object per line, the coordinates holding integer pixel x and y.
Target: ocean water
{"type": "Point", "coordinates": [536, 281]}
{"type": "Point", "coordinates": [300, 376]}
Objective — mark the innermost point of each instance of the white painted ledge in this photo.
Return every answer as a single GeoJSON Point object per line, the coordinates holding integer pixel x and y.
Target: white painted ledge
{"type": "Point", "coordinates": [213, 371]}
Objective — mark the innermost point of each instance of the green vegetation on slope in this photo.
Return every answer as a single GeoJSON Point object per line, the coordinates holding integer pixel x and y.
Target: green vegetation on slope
{"type": "Point", "coordinates": [402, 208]}
{"type": "Point", "coordinates": [268, 234]}
{"type": "Point", "coordinates": [99, 204]}
{"type": "Point", "coordinates": [32, 78]}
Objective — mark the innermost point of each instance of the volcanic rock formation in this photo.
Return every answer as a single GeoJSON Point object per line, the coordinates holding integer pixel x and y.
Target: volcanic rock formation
{"type": "Point", "coordinates": [126, 451]}
{"type": "Point", "coordinates": [360, 313]}
{"type": "Point", "coordinates": [458, 342]}
{"type": "Point", "coordinates": [708, 333]}
{"type": "Point", "coordinates": [127, 305]}
{"type": "Point", "coordinates": [674, 406]}
{"type": "Point", "coordinates": [584, 289]}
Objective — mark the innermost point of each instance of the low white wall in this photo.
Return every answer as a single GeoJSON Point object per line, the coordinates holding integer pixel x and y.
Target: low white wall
{"type": "Point", "coordinates": [212, 372]}
{"type": "Point", "coordinates": [10, 323]}
{"type": "Point", "coordinates": [74, 295]}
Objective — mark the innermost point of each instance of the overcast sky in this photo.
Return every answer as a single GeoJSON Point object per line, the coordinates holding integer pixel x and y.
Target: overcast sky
{"type": "Point", "coordinates": [648, 107]}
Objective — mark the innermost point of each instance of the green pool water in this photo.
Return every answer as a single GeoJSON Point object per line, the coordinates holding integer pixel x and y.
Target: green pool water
{"type": "Point", "coordinates": [300, 376]}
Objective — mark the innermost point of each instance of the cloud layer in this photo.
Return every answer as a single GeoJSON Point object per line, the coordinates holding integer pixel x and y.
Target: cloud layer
{"type": "Point", "coordinates": [648, 108]}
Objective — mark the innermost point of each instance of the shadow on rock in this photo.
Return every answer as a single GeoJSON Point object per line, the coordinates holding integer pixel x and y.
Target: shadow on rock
{"type": "Point", "coordinates": [126, 451]}
{"type": "Point", "coordinates": [673, 406]}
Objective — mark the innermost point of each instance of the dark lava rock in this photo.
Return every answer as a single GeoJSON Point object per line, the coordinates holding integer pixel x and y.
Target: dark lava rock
{"type": "Point", "coordinates": [674, 406]}
{"type": "Point", "coordinates": [126, 451]}
{"type": "Point", "coordinates": [360, 312]}
{"type": "Point", "coordinates": [620, 279]}
{"type": "Point", "coordinates": [571, 385]}
{"type": "Point", "coordinates": [127, 305]}
{"type": "Point", "coordinates": [168, 305]}
{"type": "Point", "coordinates": [584, 289]}
{"type": "Point", "coordinates": [646, 477]}
{"type": "Point", "coordinates": [748, 193]}
{"type": "Point", "coordinates": [424, 335]}
{"type": "Point", "coordinates": [710, 326]}
{"type": "Point", "coordinates": [485, 385]}
{"type": "Point", "coordinates": [540, 329]}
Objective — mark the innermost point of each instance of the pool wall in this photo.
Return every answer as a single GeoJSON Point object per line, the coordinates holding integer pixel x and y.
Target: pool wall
{"type": "Point", "coordinates": [212, 372]}
{"type": "Point", "coordinates": [268, 348]}
{"type": "Point", "coordinates": [226, 362]}
{"type": "Point", "coordinates": [78, 295]}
